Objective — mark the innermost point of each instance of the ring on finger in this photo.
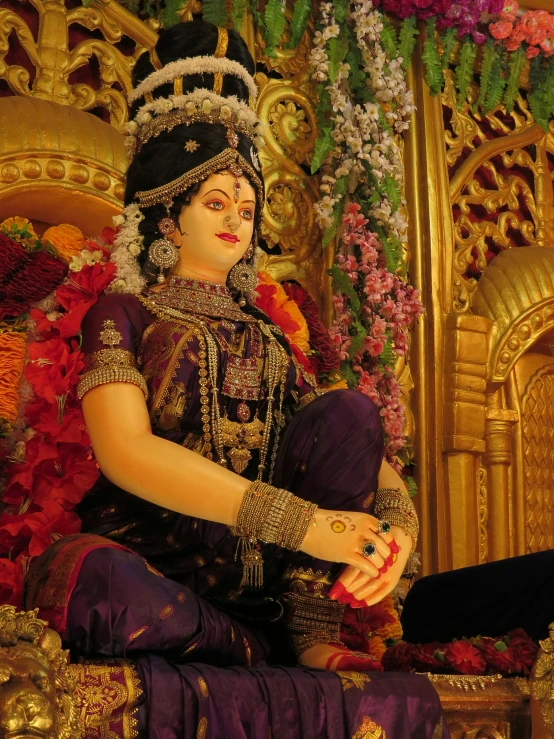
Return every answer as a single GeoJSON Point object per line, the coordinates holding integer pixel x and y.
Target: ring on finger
{"type": "Point", "coordinates": [369, 549]}
{"type": "Point", "coordinates": [384, 527]}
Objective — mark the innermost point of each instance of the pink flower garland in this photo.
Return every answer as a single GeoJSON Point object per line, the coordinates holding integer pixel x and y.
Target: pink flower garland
{"type": "Point", "coordinates": [535, 28]}
{"type": "Point", "coordinates": [389, 307]}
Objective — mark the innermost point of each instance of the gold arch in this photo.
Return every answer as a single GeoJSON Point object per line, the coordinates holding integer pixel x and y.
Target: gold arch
{"type": "Point", "coordinates": [517, 293]}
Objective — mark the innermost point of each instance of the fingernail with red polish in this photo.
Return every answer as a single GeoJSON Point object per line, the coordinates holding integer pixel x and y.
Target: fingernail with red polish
{"type": "Point", "coordinates": [390, 560]}
{"type": "Point", "coordinates": [337, 590]}
{"type": "Point", "coordinates": [393, 546]}
{"type": "Point", "coordinates": [344, 599]}
{"type": "Point", "coordinates": [357, 604]}
{"type": "Point", "coordinates": [384, 569]}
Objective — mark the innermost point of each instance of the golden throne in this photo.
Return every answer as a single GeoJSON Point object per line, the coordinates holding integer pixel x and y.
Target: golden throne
{"type": "Point", "coordinates": [481, 357]}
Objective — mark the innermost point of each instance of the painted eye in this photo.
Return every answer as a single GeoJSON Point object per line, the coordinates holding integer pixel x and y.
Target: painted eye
{"type": "Point", "coordinates": [247, 215]}
{"type": "Point", "coordinates": [215, 205]}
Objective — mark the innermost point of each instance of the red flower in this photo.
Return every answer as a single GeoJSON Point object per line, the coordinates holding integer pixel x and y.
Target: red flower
{"type": "Point", "coordinates": [11, 581]}
{"type": "Point", "coordinates": [53, 369]}
{"type": "Point", "coordinates": [326, 357]}
{"type": "Point", "coordinates": [43, 324]}
{"type": "Point", "coordinates": [108, 235]}
{"type": "Point", "coordinates": [524, 650]}
{"type": "Point", "coordinates": [265, 302]}
{"type": "Point", "coordinates": [65, 478]}
{"type": "Point", "coordinates": [41, 274]}
{"type": "Point", "coordinates": [81, 292]}
{"type": "Point", "coordinates": [36, 529]}
{"type": "Point", "coordinates": [465, 658]}
{"type": "Point", "coordinates": [425, 657]}
{"type": "Point", "coordinates": [12, 257]}
{"type": "Point", "coordinates": [21, 476]}
{"type": "Point", "coordinates": [399, 657]}
{"type": "Point", "coordinates": [43, 417]}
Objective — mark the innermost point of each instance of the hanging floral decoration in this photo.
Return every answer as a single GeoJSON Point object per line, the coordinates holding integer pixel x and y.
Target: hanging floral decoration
{"type": "Point", "coordinates": [48, 460]}
{"type": "Point", "coordinates": [364, 106]}
{"type": "Point", "coordinates": [509, 37]}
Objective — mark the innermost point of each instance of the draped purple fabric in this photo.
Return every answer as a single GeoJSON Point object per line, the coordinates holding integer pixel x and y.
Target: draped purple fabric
{"type": "Point", "coordinates": [201, 651]}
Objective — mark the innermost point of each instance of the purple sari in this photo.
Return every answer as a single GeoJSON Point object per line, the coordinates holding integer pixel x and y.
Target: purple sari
{"type": "Point", "coordinates": [165, 588]}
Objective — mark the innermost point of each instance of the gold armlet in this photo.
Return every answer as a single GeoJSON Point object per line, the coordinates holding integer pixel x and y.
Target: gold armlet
{"type": "Point", "coordinates": [110, 365]}
{"type": "Point", "coordinates": [396, 507]}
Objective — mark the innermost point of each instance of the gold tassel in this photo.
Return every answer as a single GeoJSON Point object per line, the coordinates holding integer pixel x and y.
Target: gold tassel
{"type": "Point", "coordinates": [252, 563]}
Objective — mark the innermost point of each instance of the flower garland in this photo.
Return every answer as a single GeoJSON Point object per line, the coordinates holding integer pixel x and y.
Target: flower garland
{"type": "Point", "coordinates": [509, 37]}
{"type": "Point", "coordinates": [364, 105]}
{"type": "Point", "coordinates": [49, 464]}
{"type": "Point", "coordinates": [513, 654]}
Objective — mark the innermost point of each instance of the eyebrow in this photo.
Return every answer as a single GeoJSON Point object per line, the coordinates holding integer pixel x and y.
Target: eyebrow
{"type": "Point", "coordinates": [216, 189]}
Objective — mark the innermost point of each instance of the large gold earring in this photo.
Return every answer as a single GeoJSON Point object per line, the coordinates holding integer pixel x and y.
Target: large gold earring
{"type": "Point", "coordinates": [244, 277]}
{"type": "Point", "coordinates": [163, 253]}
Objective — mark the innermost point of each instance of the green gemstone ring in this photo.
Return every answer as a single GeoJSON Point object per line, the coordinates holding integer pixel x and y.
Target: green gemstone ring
{"type": "Point", "coordinates": [384, 527]}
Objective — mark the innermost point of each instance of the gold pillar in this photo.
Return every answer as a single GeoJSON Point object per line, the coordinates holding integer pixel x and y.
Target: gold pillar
{"type": "Point", "coordinates": [498, 460]}
{"type": "Point", "coordinates": [466, 352]}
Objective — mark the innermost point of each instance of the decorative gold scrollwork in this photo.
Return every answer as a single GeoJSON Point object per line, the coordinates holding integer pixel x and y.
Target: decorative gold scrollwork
{"type": "Point", "coordinates": [54, 62]}
{"type": "Point", "coordinates": [501, 190]}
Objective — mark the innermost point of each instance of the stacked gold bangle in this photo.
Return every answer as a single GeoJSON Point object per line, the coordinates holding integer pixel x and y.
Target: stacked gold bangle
{"type": "Point", "coordinates": [396, 507]}
{"type": "Point", "coordinates": [314, 619]}
{"type": "Point", "coordinates": [273, 516]}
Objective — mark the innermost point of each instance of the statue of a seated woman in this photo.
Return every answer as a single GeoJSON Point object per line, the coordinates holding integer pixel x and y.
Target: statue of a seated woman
{"type": "Point", "coordinates": [225, 468]}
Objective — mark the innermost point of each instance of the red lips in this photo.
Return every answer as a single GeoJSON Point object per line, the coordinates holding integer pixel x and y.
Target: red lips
{"type": "Point", "coordinates": [228, 237]}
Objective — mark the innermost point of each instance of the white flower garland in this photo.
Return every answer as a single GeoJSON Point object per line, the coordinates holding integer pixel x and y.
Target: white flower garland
{"type": "Point", "coordinates": [128, 244]}
{"type": "Point", "coordinates": [194, 65]}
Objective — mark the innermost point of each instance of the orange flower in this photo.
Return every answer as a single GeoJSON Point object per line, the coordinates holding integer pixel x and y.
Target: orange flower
{"type": "Point", "coordinates": [12, 362]}
{"type": "Point", "coordinates": [67, 240]}
{"type": "Point", "coordinates": [20, 229]}
{"type": "Point", "coordinates": [299, 334]}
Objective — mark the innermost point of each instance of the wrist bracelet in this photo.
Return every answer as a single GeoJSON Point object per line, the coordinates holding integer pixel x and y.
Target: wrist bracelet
{"type": "Point", "coordinates": [273, 516]}
{"type": "Point", "coordinates": [396, 507]}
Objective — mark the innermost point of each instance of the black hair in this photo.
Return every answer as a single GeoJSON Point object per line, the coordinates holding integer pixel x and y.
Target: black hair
{"type": "Point", "coordinates": [163, 158]}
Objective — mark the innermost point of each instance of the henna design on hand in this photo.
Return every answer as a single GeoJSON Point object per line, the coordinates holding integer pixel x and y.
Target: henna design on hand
{"type": "Point", "coordinates": [340, 523]}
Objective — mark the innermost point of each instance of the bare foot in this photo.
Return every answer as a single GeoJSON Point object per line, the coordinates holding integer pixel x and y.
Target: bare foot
{"type": "Point", "coordinates": [336, 657]}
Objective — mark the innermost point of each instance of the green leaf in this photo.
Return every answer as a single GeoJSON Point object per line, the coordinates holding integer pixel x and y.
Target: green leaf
{"type": "Point", "coordinates": [323, 146]}
{"type": "Point", "coordinates": [464, 70]}
{"type": "Point", "coordinates": [407, 40]}
{"type": "Point", "coordinates": [214, 11]}
{"type": "Point", "coordinates": [431, 59]}
{"type": "Point", "coordinates": [356, 75]}
{"type": "Point", "coordinates": [275, 21]}
{"type": "Point", "coordinates": [170, 14]}
{"type": "Point", "coordinates": [490, 55]}
{"type": "Point", "coordinates": [515, 65]}
{"type": "Point", "coordinates": [496, 85]}
{"type": "Point", "coordinates": [340, 8]}
{"type": "Point", "coordinates": [299, 21]}
{"type": "Point", "coordinates": [357, 338]}
{"type": "Point", "coordinates": [393, 251]}
{"type": "Point", "coordinates": [349, 375]}
{"type": "Point", "coordinates": [411, 484]}
{"type": "Point", "coordinates": [500, 646]}
{"type": "Point", "coordinates": [389, 38]}
{"type": "Point", "coordinates": [391, 189]}
{"type": "Point", "coordinates": [448, 41]}
{"type": "Point", "coordinates": [388, 356]}
{"type": "Point", "coordinates": [258, 18]}
{"type": "Point", "coordinates": [550, 89]}
{"type": "Point", "coordinates": [238, 12]}
{"type": "Point", "coordinates": [337, 48]}
{"type": "Point", "coordinates": [541, 97]}
{"type": "Point", "coordinates": [330, 233]}
{"type": "Point", "coordinates": [342, 284]}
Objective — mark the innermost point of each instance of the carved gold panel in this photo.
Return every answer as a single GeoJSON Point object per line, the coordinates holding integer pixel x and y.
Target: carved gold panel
{"type": "Point", "coordinates": [54, 59]}
{"type": "Point", "coordinates": [500, 175]}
